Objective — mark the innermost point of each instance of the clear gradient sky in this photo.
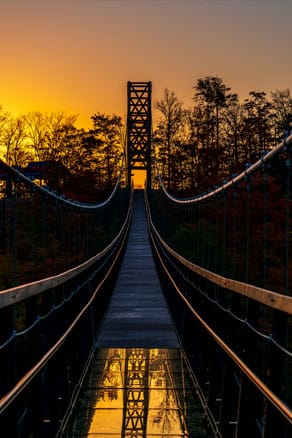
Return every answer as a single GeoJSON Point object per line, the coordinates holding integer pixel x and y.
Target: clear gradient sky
{"type": "Point", "coordinates": [76, 56]}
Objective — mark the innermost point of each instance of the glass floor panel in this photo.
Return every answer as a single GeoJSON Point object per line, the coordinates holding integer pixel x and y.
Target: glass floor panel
{"type": "Point", "coordinates": [135, 393]}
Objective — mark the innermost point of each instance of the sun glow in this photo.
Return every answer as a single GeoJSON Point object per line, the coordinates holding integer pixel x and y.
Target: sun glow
{"type": "Point", "coordinates": [139, 178]}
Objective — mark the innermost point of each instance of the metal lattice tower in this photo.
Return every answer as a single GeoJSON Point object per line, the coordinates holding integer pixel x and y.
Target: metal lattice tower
{"type": "Point", "coordinates": [139, 128]}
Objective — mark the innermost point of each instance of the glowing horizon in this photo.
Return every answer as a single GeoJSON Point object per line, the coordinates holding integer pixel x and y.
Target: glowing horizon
{"type": "Point", "coordinates": [76, 56]}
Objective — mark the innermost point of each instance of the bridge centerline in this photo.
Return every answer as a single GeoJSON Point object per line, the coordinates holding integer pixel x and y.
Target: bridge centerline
{"type": "Point", "coordinates": [137, 315]}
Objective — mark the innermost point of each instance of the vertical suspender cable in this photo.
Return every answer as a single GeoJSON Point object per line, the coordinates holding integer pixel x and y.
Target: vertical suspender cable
{"type": "Point", "coordinates": [210, 234]}
{"type": "Point", "coordinates": [287, 247]}
{"type": "Point", "coordinates": [265, 177]}
{"type": "Point", "coordinates": [32, 235]}
{"type": "Point", "coordinates": [198, 222]}
{"type": "Point", "coordinates": [247, 237]}
{"type": "Point", "coordinates": [234, 268]}
{"type": "Point", "coordinates": [45, 230]}
{"type": "Point", "coordinates": [223, 272]}
{"type": "Point", "coordinates": [14, 235]}
{"type": "Point", "coordinates": [216, 252]}
{"type": "Point", "coordinates": [288, 196]}
{"type": "Point", "coordinates": [55, 216]}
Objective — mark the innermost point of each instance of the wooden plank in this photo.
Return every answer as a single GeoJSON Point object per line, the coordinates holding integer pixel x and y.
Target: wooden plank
{"type": "Point", "coordinates": [138, 315]}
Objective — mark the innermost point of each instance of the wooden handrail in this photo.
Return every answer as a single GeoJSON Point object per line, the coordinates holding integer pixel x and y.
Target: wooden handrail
{"type": "Point", "coordinates": [269, 298]}
{"type": "Point", "coordinates": [19, 293]}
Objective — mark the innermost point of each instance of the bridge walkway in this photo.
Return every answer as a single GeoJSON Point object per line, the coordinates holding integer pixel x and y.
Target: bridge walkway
{"type": "Point", "coordinates": [138, 383]}
{"type": "Point", "coordinates": [138, 315]}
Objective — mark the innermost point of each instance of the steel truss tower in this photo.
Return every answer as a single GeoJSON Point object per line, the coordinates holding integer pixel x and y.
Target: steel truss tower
{"type": "Point", "coordinates": [139, 128]}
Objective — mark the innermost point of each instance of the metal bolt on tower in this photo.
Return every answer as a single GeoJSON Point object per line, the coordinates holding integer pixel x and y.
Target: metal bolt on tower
{"type": "Point", "coordinates": [139, 128]}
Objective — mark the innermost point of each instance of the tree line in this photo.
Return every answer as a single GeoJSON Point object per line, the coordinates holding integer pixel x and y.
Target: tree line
{"type": "Point", "coordinates": [92, 157]}
{"type": "Point", "coordinates": [199, 147]}
{"type": "Point", "coordinates": [194, 148]}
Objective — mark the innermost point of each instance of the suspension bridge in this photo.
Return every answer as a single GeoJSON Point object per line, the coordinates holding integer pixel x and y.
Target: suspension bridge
{"type": "Point", "coordinates": [147, 315]}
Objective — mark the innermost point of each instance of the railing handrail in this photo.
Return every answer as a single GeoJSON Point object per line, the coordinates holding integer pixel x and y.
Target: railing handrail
{"type": "Point", "coordinates": [74, 204]}
{"type": "Point", "coordinates": [21, 292]}
{"type": "Point", "coordinates": [251, 169]}
{"type": "Point", "coordinates": [272, 299]}
{"type": "Point", "coordinates": [265, 390]}
{"type": "Point", "coordinates": [8, 398]}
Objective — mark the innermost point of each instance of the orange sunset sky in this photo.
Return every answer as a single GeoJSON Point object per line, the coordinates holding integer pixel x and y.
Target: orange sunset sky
{"type": "Point", "coordinates": [76, 56]}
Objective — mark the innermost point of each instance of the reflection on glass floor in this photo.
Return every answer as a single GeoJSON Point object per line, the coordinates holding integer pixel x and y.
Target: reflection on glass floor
{"type": "Point", "coordinates": [137, 393]}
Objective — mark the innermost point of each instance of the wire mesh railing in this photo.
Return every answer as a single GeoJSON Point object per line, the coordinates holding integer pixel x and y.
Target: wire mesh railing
{"type": "Point", "coordinates": [42, 233]}
{"type": "Point", "coordinates": [229, 253]}
{"type": "Point", "coordinates": [240, 230]}
{"type": "Point", "coordinates": [49, 324]}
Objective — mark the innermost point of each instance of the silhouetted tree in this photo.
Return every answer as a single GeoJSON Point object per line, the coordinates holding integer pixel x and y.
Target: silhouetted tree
{"type": "Point", "coordinates": [14, 142]}
{"type": "Point", "coordinates": [106, 138]}
{"type": "Point", "coordinates": [282, 110]}
{"type": "Point", "coordinates": [194, 145]}
{"type": "Point", "coordinates": [210, 98]}
{"type": "Point", "coordinates": [59, 130]}
{"type": "Point", "coordinates": [47, 134]}
{"type": "Point", "coordinates": [256, 125]}
{"type": "Point", "coordinates": [168, 132]}
{"type": "Point", "coordinates": [4, 119]}
{"type": "Point", "coordinates": [36, 131]}
{"type": "Point", "coordinates": [213, 94]}
{"type": "Point", "coordinates": [231, 121]}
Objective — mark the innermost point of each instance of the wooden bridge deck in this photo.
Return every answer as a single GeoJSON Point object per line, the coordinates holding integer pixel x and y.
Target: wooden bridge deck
{"type": "Point", "coordinates": [138, 315]}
